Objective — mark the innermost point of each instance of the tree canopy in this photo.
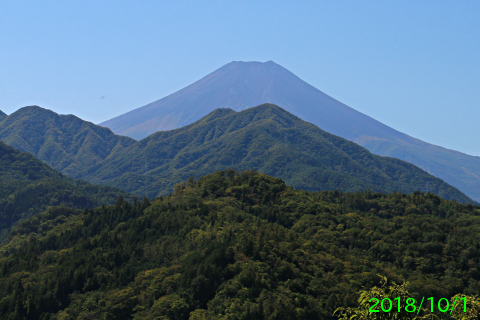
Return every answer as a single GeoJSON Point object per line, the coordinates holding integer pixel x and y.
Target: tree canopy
{"type": "Point", "coordinates": [236, 245]}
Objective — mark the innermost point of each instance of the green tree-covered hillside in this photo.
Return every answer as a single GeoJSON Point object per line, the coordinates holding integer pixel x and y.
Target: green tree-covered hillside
{"type": "Point", "coordinates": [28, 186]}
{"type": "Point", "coordinates": [65, 142]}
{"type": "Point", "coordinates": [265, 138]}
{"type": "Point", "coordinates": [268, 139]}
{"type": "Point", "coordinates": [236, 246]}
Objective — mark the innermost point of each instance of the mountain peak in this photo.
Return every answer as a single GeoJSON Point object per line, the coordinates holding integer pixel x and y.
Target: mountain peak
{"type": "Point", "coordinates": [32, 109]}
{"type": "Point", "coordinates": [263, 111]}
{"type": "Point", "coordinates": [269, 62]}
{"type": "Point", "coordinates": [249, 66]}
{"type": "Point", "coordinates": [270, 109]}
{"type": "Point", "coordinates": [44, 113]}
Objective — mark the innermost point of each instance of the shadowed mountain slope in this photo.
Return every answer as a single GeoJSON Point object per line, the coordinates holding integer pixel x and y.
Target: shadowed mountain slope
{"type": "Point", "coordinates": [239, 85]}
{"type": "Point", "coordinates": [3, 115]}
{"type": "Point", "coordinates": [28, 186]}
{"type": "Point", "coordinates": [65, 142]}
{"type": "Point", "coordinates": [265, 138]}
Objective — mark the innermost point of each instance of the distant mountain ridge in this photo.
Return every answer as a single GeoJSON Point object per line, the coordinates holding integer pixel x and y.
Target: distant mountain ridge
{"type": "Point", "coordinates": [3, 115]}
{"type": "Point", "coordinates": [239, 85]}
{"type": "Point", "coordinates": [65, 142]}
{"type": "Point", "coordinates": [265, 138]}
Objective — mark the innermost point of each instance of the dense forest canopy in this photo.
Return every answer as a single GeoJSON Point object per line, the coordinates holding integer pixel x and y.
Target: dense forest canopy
{"type": "Point", "coordinates": [236, 246]}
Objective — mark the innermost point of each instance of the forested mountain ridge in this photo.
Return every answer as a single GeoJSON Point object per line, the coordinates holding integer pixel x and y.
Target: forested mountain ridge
{"type": "Point", "coordinates": [265, 138]}
{"type": "Point", "coordinates": [28, 186]}
{"type": "Point", "coordinates": [239, 85]}
{"type": "Point", "coordinates": [3, 115]}
{"type": "Point", "coordinates": [65, 142]}
{"type": "Point", "coordinates": [236, 246]}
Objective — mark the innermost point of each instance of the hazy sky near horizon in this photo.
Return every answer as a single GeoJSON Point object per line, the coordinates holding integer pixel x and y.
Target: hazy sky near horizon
{"type": "Point", "coordinates": [413, 65]}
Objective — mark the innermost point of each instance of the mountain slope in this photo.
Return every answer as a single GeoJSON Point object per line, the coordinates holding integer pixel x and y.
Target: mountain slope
{"type": "Point", "coordinates": [65, 142]}
{"type": "Point", "coordinates": [236, 246]}
{"type": "Point", "coordinates": [3, 115]}
{"type": "Point", "coordinates": [239, 85]}
{"type": "Point", "coordinates": [265, 138]}
{"type": "Point", "coordinates": [28, 186]}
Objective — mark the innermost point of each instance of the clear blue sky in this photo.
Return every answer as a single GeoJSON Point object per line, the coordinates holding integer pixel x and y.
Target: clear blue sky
{"type": "Point", "coordinates": [413, 65]}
